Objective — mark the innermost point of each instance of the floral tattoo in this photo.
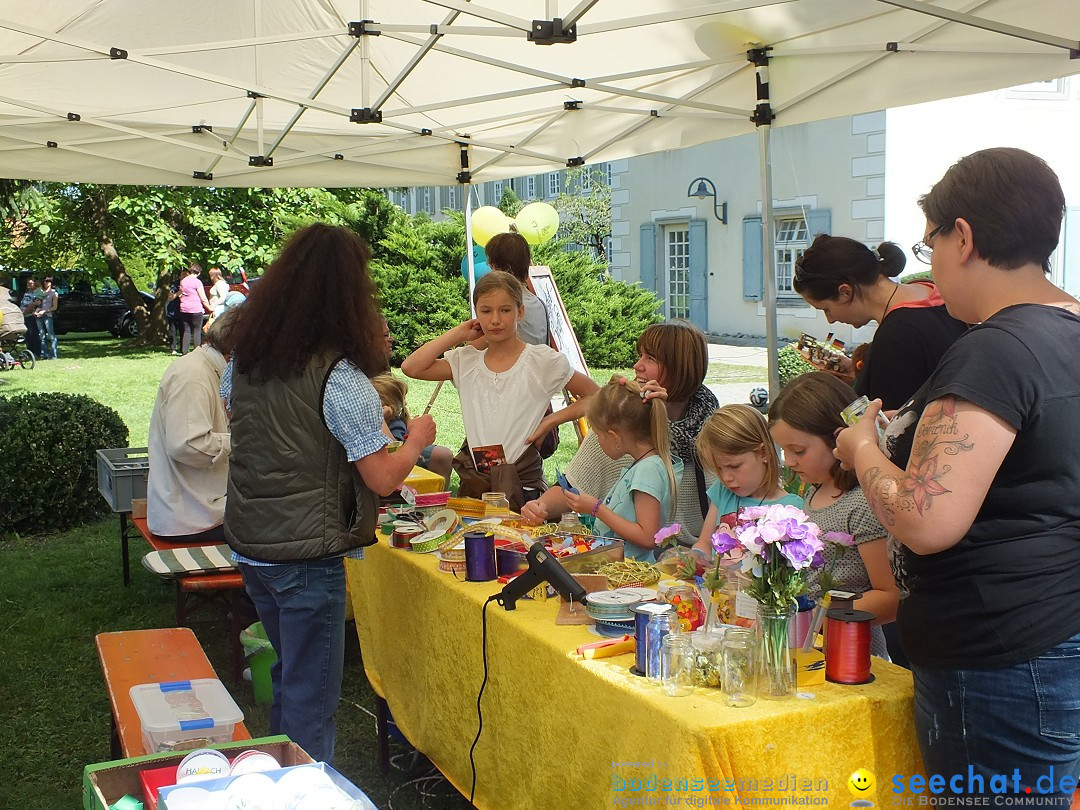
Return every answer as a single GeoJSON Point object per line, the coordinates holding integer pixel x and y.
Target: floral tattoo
{"type": "Point", "coordinates": [937, 436]}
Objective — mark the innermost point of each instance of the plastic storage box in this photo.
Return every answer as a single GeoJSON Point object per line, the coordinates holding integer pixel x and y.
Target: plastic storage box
{"type": "Point", "coordinates": [121, 475]}
{"type": "Point", "coordinates": [181, 711]}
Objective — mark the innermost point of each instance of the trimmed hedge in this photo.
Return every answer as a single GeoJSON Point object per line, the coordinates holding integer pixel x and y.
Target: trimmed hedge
{"type": "Point", "coordinates": [790, 364]}
{"type": "Point", "coordinates": [49, 460]}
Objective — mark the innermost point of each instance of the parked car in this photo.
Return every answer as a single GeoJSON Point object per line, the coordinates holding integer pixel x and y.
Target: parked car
{"type": "Point", "coordinates": [84, 306]}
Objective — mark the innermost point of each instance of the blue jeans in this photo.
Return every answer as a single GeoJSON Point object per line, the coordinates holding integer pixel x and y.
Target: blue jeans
{"type": "Point", "coordinates": [1022, 719]}
{"type": "Point", "coordinates": [302, 607]}
{"type": "Point", "coordinates": [48, 337]}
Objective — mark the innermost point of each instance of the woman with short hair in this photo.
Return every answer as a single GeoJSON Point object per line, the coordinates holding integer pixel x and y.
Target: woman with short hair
{"type": "Point", "coordinates": [978, 481]}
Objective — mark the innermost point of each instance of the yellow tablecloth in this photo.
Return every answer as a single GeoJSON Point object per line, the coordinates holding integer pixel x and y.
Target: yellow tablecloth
{"type": "Point", "coordinates": [424, 481]}
{"type": "Point", "coordinates": [560, 732]}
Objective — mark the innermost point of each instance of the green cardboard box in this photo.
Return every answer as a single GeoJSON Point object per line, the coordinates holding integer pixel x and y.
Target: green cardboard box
{"type": "Point", "coordinates": [107, 782]}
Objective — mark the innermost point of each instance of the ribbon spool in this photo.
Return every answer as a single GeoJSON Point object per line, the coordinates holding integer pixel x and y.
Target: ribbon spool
{"type": "Point", "coordinates": [847, 646]}
{"type": "Point", "coordinates": [479, 557]}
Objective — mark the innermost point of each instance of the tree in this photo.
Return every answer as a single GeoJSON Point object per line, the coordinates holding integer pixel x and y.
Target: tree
{"type": "Point", "coordinates": [585, 211]}
{"type": "Point", "coordinates": [142, 235]}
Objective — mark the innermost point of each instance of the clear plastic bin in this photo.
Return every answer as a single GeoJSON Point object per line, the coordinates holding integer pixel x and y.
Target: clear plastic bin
{"type": "Point", "coordinates": [172, 714]}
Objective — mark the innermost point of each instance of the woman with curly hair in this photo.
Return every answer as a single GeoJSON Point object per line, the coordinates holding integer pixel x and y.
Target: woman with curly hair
{"type": "Point", "coordinates": [308, 458]}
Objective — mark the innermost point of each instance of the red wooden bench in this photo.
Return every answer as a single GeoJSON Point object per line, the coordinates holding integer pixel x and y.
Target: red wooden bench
{"type": "Point", "coordinates": [193, 591]}
{"type": "Point", "coordinates": [133, 657]}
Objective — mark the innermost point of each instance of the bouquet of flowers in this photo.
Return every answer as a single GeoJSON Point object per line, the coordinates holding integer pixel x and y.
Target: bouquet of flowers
{"type": "Point", "coordinates": [778, 545]}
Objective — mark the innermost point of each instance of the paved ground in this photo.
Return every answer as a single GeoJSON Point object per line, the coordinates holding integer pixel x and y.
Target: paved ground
{"type": "Point", "coordinates": [728, 393]}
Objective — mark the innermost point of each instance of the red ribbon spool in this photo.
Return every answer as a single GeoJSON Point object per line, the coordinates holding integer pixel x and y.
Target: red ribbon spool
{"type": "Point", "coordinates": [847, 646]}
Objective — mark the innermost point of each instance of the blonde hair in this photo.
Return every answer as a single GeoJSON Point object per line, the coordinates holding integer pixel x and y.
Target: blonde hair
{"type": "Point", "coordinates": [733, 430]}
{"type": "Point", "coordinates": [499, 280]}
{"type": "Point", "coordinates": [392, 393]}
{"type": "Point", "coordinates": [619, 406]}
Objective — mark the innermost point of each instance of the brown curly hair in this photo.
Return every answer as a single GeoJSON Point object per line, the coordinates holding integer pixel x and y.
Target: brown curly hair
{"type": "Point", "coordinates": [316, 298]}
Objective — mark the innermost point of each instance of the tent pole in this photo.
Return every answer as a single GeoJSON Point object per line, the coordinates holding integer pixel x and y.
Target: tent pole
{"type": "Point", "coordinates": [762, 118]}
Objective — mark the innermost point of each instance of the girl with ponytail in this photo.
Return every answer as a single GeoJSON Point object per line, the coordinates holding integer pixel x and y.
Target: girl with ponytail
{"type": "Point", "coordinates": [643, 498]}
{"type": "Point", "coordinates": [853, 284]}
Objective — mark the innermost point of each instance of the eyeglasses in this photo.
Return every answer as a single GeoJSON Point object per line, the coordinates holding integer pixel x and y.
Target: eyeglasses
{"type": "Point", "coordinates": [922, 250]}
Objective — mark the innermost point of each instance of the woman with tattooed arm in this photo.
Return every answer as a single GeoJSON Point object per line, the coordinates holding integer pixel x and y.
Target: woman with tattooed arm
{"type": "Point", "coordinates": [980, 482]}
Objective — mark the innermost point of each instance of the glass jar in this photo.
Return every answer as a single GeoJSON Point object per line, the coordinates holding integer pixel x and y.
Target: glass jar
{"type": "Point", "coordinates": [708, 657]}
{"type": "Point", "coordinates": [677, 665]}
{"type": "Point", "coordinates": [571, 523]}
{"type": "Point", "coordinates": [740, 668]}
{"type": "Point", "coordinates": [496, 504]}
{"type": "Point", "coordinates": [685, 600]}
{"type": "Point", "coordinates": [777, 662]}
{"type": "Point", "coordinates": [660, 625]}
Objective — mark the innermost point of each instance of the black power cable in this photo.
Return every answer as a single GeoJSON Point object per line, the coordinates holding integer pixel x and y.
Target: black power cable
{"type": "Point", "coordinates": [479, 711]}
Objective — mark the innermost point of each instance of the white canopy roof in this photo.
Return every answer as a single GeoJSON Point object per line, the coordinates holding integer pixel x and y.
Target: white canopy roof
{"type": "Point", "coordinates": [203, 91]}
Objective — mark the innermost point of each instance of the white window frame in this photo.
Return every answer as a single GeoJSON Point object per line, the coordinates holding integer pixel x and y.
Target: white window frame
{"type": "Point", "coordinates": [428, 203]}
{"type": "Point", "coordinates": [607, 174]}
{"type": "Point", "coordinates": [790, 241]}
{"type": "Point", "coordinates": [677, 270]}
{"type": "Point", "coordinates": [554, 184]}
{"type": "Point", "coordinates": [530, 187]}
{"type": "Point", "coordinates": [451, 198]}
{"type": "Point", "coordinates": [586, 180]}
{"type": "Point", "coordinates": [497, 187]}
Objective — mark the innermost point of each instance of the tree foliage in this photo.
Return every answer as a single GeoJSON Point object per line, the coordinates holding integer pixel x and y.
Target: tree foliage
{"type": "Point", "coordinates": [585, 211]}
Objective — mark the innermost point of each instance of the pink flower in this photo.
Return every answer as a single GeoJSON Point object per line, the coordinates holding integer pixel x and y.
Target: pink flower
{"type": "Point", "coordinates": [667, 532]}
{"type": "Point", "coordinates": [840, 538]}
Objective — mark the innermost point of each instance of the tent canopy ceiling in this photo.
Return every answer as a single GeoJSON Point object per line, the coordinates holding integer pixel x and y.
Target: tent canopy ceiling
{"type": "Point", "coordinates": [294, 92]}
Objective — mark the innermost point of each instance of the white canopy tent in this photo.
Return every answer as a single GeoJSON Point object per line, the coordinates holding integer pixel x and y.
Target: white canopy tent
{"type": "Point", "coordinates": [434, 92]}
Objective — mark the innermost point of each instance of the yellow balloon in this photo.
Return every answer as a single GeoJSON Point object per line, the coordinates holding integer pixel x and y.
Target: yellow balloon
{"type": "Point", "coordinates": [488, 221]}
{"type": "Point", "coordinates": [537, 222]}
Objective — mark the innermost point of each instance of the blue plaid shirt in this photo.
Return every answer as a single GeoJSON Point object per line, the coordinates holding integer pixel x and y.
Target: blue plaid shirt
{"type": "Point", "coordinates": [353, 413]}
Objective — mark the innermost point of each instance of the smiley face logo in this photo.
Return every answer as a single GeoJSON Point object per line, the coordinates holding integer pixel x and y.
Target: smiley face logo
{"type": "Point", "coordinates": [861, 783]}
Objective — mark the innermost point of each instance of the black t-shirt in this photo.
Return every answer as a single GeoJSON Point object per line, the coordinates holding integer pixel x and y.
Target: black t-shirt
{"type": "Point", "coordinates": [907, 346]}
{"type": "Point", "coordinates": [1010, 589]}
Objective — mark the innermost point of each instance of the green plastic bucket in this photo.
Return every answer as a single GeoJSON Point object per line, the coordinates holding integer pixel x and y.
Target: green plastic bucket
{"type": "Point", "coordinates": [262, 656]}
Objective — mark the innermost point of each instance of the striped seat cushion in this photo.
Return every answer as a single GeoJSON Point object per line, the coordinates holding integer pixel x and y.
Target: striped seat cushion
{"type": "Point", "coordinates": [181, 561]}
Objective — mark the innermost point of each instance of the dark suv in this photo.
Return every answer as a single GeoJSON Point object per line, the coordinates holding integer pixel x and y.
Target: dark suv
{"type": "Point", "coordinates": [83, 306]}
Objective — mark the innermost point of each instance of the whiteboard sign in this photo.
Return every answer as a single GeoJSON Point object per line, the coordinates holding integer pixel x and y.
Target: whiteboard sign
{"type": "Point", "coordinates": [562, 334]}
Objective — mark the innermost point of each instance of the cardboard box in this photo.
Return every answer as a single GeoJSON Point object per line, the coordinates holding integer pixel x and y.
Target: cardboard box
{"type": "Point", "coordinates": [107, 782]}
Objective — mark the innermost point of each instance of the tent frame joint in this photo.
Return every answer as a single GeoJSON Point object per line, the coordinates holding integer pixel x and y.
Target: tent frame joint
{"type": "Point", "coordinates": [260, 160]}
{"type": "Point", "coordinates": [365, 115]}
{"type": "Point", "coordinates": [362, 28]}
{"type": "Point", "coordinates": [117, 53]}
{"type": "Point", "coordinates": [202, 175]}
{"type": "Point", "coordinates": [575, 161]}
{"type": "Point", "coordinates": [196, 128]}
{"type": "Point", "coordinates": [551, 32]}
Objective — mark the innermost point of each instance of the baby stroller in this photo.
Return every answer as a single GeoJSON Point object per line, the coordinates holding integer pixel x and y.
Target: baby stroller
{"type": "Point", "coordinates": [12, 332]}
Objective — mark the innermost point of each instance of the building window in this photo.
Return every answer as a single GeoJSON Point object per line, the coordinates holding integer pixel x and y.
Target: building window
{"type": "Point", "coordinates": [451, 198]}
{"type": "Point", "coordinates": [792, 240]}
{"type": "Point", "coordinates": [607, 175]}
{"type": "Point", "coordinates": [497, 190]}
{"type": "Point", "coordinates": [428, 204]}
{"type": "Point", "coordinates": [554, 184]}
{"type": "Point", "coordinates": [530, 187]}
{"type": "Point", "coordinates": [586, 180]}
{"type": "Point", "coordinates": [677, 265]}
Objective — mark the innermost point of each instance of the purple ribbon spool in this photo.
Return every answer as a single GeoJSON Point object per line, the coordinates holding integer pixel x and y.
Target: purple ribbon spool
{"type": "Point", "coordinates": [479, 557]}
{"type": "Point", "coordinates": [641, 651]}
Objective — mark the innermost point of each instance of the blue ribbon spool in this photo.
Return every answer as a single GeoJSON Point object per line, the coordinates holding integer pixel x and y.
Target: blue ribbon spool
{"type": "Point", "coordinates": [479, 557]}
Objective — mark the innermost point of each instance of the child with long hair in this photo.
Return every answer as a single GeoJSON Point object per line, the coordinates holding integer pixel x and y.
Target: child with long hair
{"type": "Point", "coordinates": [504, 385]}
{"type": "Point", "coordinates": [643, 498]}
{"type": "Point", "coordinates": [735, 446]}
{"type": "Point", "coordinates": [803, 420]}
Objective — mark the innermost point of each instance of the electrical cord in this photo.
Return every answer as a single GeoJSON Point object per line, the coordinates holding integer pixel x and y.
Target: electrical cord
{"type": "Point", "coordinates": [480, 695]}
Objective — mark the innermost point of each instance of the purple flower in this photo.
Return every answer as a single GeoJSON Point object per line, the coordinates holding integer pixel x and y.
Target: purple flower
{"type": "Point", "coordinates": [750, 539]}
{"type": "Point", "coordinates": [723, 542]}
{"type": "Point", "coordinates": [666, 532]}
{"type": "Point", "coordinates": [799, 553]}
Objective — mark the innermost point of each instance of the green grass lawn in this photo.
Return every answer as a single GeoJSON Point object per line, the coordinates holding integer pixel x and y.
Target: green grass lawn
{"type": "Point", "coordinates": [58, 592]}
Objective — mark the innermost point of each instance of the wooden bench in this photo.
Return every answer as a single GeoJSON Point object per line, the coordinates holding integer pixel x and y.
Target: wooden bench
{"type": "Point", "coordinates": [223, 588]}
{"type": "Point", "coordinates": [132, 657]}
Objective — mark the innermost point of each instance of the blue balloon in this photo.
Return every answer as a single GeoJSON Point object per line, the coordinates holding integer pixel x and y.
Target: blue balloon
{"type": "Point", "coordinates": [480, 265]}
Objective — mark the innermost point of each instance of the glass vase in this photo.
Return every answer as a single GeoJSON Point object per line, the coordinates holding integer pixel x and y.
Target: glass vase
{"type": "Point", "coordinates": [777, 681]}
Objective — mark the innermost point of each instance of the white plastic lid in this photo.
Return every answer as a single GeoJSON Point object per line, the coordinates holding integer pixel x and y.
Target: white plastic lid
{"type": "Point", "coordinates": [185, 705]}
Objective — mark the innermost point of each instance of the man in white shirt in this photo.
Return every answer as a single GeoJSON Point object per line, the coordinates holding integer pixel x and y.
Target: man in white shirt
{"type": "Point", "coordinates": [189, 445]}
